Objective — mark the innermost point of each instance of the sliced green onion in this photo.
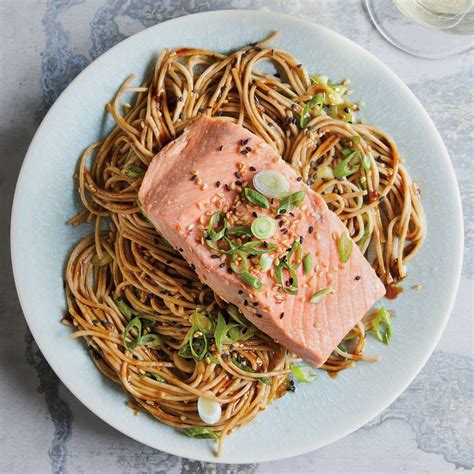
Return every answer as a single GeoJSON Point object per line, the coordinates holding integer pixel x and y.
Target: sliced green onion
{"type": "Point", "coordinates": [366, 163]}
{"type": "Point", "coordinates": [157, 377]}
{"type": "Point", "coordinates": [271, 183]}
{"type": "Point", "coordinates": [233, 248]}
{"type": "Point", "coordinates": [290, 202]}
{"type": "Point", "coordinates": [320, 294]}
{"type": "Point", "coordinates": [251, 280]}
{"type": "Point", "coordinates": [239, 266]}
{"type": "Point", "coordinates": [246, 368]}
{"type": "Point", "coordinates": [303, 372]}
{"type": "Point", "coordinates": [240, 230]}
{"type": "Point", "coordinates": [213, 358]}
{"type": "Point", "coordinates": [133, 171]}
{"type": "Point", "coordinates": [197, 346]}
{"type": "Point", "coordinates": [317, 100]}
{"type": "Point", "coordinates": [151, 340]}
{"type": "Point", "coordinates": [234, 313]}
{"type": "Point", "coordinates": [263, 227]}
{"type": "Point", "coordinates": [136, 324]}
{"type": "Point", "coordinates": [383, 326]}
{"type": "Point", "coordinates": [343, 168]}
{"type": "Point", "coordinates": [307, 263]}
{"type": "Point", "coordinates": [101, 262]}
{"type": "Point", "coordinates": [201, 322]}
{"type": "Point", "coordinates": [219, 331]}
{"type": "Point", "coordinates": [200, 432]}
{"type": "Point", "coordinates": [344, 247]}
{"type": "Point", "coordinates": [236, 333]}
{"type": "Point", "coordinates": [256, 247]}
{"type": "Point", "coordinates": [217, 219]}
{"type": "Point", "coordinates": [265, 262]}
{"type": "Point", "coordinates": [256, 198]}
{"type": "Point", "coordinates": [122, 306]}
{"type": "Point", "coordinates": [362, 240]}
{"type": "Point", "coordinates": [292, 289]}
{"type": "Point", "coordinates": [295, 250]}
{"type": "Point", "coordinates": [349, 141]}
{"type": "Point", "coordinates": [324, 172]}
{"type": "Point", "coordinates": [347, 151]}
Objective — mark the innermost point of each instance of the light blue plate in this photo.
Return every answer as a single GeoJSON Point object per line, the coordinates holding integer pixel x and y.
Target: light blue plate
{"type": "Point", "coordinates": [317, 413]}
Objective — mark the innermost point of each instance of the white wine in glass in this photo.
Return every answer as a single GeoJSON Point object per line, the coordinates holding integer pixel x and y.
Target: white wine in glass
{"type": "Point", "coordinates": [419, 27]}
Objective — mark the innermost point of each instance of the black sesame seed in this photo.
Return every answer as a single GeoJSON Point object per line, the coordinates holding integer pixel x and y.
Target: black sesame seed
{"type": "Point", "coordinates": [230, 271]}
{"type": "Point", "coordinates": [265, 244]}
{"type": "Point", "coordinates": [193, 177]}
{"type": "Point", "coordinates": [259, 315]}
{"type": "Point", "coordinates": [299, 66]}
{"type": "Point", "coordinates": [249, 149]}
{"type": "Point", "coordinates": [254, 214]}
{"type": "Point", "coordinates": [256, 303]}
{"type": "Point", "coordinates": [346, 110]}
{"type": "Point", "coordinates": [357, 277]}
{"type": "Point", "coordinates": [218, 183]}
{"type": "Point", "coordinates": [246, 303]}
{"type": "Point", "coordinates": [215, 256]}
{"type": "Point", "coordinates": [280, 224]}
{"type": "Point", "coordinates": [244, 152]}
{"type": "Point", "coordinates": [252, 168]}
{"type": "Point", "coordinates": [283, 211]}
{"type": "Point", "coordinates": [284, 231]}
{"type": "Point", "coordinates": [238, 183]}
{"type": "Point", "coordinates": [221, 147]}
{"type": "Point", "coordinates": [244, 142]}
{"type": "Point", "coordinates": [310, 229]}
{"type": "Point", "coordinates": [299, 178]}
{"type": "Point", "coordinates": [292, 215]}
{"type": "Point", "coordinates": [226, 186]}
{"type": "Point", "coordinates": [237, 175]}
{"type": "Point", "coordinates": [241, 292]}
{"type": "Point", "coordinates": [301, 239]}
{"type": "Point", "coordinates": [222, 265]}
{"type": "Point", "coordinates": [282, 314]}
{"type": "Point", "coordinates": [180, 249]}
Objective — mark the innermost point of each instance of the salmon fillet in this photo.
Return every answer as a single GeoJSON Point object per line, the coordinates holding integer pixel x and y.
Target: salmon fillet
{"type": "Point", "coordinates": [204, 171]}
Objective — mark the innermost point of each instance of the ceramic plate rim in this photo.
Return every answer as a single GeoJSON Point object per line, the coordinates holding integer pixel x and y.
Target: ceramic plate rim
{"type": "Point", "coordinates": [388, 398]}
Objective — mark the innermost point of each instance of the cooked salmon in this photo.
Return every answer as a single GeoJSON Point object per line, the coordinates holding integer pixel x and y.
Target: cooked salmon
{"type": "Point", "coordinates": [308, 308]}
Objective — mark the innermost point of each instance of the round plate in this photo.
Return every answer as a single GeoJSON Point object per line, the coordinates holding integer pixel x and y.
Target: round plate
{"type": "Point", "coordinates": [320, 412]}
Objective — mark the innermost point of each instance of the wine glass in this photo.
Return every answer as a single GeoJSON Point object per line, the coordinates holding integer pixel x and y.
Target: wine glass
{"type": "Point", "coordinates": [430, 29]}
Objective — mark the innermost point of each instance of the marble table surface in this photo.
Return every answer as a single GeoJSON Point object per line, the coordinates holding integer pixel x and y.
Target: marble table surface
{"type": "Point", "coordinates": [44, 44]}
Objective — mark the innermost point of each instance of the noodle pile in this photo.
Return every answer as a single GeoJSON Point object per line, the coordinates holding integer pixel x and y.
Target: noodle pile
{"type": "Point", "coordinates": [125, 268]}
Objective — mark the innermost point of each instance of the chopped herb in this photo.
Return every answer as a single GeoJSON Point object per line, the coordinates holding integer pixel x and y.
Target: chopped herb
{"type": "Point", "coordinates": [317, 100]}
{"type": "Point", "coordinates": [307, 263]}
{"type": "Point", "coordinates": [383, 326]}
{"type": "Point", "coordinates": [290, 202]}
{"type": "Point", "coordinates": [320, 294]}
{"type": "Point", "coordinates": [366, 163]}
{"type": "Point", "coordinates": [136, 324]}
{"type": "Point", "coordinates": [122, 306]}
{"type": "Point", "coordinates": [344, 247]}
{"type": "Point", "coordinates": [219, 331]}
{"type": "Point", "coordinates": [251, 280]}
{"type": "Point", "coordinates": [263, 227]}
{"type": "Point", "coordinates": [217, 219]}
{"type": "Point", "coordinates": [152, 341]}
{"type": "Point", "coordinates": [344, 169]}
{"type": "Point", "coordinates": [256, 198]}
{"type": "Point", "coordinates": [200, 432]}
{"type": "Point", "coordinates": [303, 372]}
{"type": "Point", "coordinates": [134, 171]}
{"type": "Point", "coordinates": [291, 289]}
{"type": "Point", "coordinates": [240, 230]}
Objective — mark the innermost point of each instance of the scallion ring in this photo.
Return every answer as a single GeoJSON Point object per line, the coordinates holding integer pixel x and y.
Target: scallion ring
{"type": "Point", "coordinates": [263, 227]}
{"type": "Point", "coordinates": [271, 183]}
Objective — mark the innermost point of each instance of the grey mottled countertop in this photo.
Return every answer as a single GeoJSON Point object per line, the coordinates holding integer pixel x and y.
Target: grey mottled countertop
{"type": "Point", "coordinates": [43, 428]}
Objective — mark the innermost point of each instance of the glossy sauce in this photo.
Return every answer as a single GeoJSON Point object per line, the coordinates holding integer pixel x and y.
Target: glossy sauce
{"type": "Point", "coordinates": [393, 291]}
